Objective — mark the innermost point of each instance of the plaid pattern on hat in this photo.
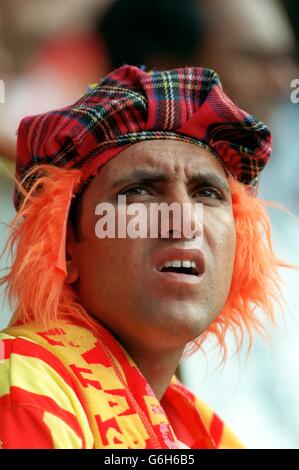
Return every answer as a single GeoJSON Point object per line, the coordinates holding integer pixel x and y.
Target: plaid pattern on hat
{"type": "Point", "coordinates": [131, 105]}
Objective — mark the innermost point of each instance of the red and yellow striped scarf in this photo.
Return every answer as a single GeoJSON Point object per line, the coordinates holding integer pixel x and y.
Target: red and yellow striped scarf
{"type": "Point", "coordinates": [121, 409]}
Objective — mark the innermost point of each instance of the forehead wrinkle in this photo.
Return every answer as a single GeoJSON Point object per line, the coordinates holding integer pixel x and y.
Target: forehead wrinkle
{"type": "Point", "coordinates": [201, 176]}
{"type": "Point", "coordinates": [173, 161]}
{"type": "Point", "coordinates": [163, 163]}
{"type": "Point", "coordinates": [148, 165]}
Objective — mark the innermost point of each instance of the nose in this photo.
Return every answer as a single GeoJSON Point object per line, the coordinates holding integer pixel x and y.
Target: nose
{"type": "Point", "coordinates": [182, 218]}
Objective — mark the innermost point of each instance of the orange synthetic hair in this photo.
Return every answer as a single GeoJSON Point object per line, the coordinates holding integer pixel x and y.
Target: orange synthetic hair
{"type": "Point", "coordinates": [35, 283]}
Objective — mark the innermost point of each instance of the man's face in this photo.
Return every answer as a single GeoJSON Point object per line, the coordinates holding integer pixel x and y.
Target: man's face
{"type": "Point", "coordinates": [120, 279]}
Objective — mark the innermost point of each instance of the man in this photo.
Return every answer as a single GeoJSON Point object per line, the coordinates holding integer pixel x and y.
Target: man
{"type": "Point", "coordinates": [102, 322]}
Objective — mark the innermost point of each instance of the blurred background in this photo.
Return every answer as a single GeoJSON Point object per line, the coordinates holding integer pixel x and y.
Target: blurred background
{"type": "Point", "coordinates": [51, 50]}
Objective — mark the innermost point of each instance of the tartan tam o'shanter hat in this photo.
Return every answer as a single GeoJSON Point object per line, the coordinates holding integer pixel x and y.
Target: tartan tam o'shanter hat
{"type": "Point", "coordinates": [131, 105]}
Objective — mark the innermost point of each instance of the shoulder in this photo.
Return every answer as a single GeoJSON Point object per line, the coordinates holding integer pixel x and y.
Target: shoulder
{"type": "Point", "coordinates": [36, 388]}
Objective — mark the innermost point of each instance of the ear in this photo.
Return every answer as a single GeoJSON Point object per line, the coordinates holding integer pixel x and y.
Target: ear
{"type": "Point", "coordinates": [71, 266]}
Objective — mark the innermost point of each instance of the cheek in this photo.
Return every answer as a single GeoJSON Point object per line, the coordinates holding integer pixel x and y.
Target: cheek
{"type": "Point", "coordinates": [96, 259]}
{"type": "Point", "coordinates": [221, 236]}
{"type": "Point", "coordinates": [106, 266]}
{"type": "Point", "coordinates": [222, 246]}
{"type": "Point", "coordinates": [227, 258]}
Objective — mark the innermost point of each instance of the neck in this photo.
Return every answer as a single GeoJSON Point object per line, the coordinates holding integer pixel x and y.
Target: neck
{"type": "Point", "coordinates": [158, 368]}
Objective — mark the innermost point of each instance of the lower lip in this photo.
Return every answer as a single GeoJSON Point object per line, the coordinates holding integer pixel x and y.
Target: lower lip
{"type": "Point", "coordinates": [179, 279]}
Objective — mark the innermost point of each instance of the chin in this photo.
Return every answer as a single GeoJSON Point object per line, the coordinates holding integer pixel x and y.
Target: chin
{"type": "Point", "coordinates": [186, 323]}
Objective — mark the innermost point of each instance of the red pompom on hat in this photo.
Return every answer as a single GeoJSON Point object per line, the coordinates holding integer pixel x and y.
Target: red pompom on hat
{"type": "Point", "coordinates": [131, 105]}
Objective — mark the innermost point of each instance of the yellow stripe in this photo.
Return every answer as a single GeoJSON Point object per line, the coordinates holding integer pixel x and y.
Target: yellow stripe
{"type": "Point", "coordinates": [63, 435]}
{"type": "Point", "coordinates": [36, 376]}
{"type": "Point", "coordinates": [26, 373]}
{"type": "Point", "coordinates": [205, 412]}
{"type": "Point", "coordinates": [6, 336]}
{"type": "Point", "coordinates": [229, 440]}
{"type": "Point", "coordinates": [4, 383]}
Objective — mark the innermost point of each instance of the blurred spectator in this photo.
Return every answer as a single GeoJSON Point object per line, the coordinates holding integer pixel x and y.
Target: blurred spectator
{"type": "Point", "coordinates": [55, 57]}
{"type": "Point", "coordinates": [6, 65]}
{"type": "Point", "coordinates": [155, 33]}
{"type": "Point", "coordinates": [284, 164]}
{"type": "Point", "coordinates": [292, 8]}
{"type": "Point", "coordinates": [28, 23]}
{"type": "Point", "coordinates": [249, 43]}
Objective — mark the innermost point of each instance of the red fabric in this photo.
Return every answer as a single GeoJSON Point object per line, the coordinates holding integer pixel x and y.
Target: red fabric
{"type": "Point", "coordinates": [22, 427]}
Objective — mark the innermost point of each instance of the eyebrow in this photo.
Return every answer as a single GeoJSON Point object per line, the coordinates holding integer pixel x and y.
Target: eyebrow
{"type": "Point", "coordinates": [142, 175]}
{"type": "Point", "coordinates": [150, 176]}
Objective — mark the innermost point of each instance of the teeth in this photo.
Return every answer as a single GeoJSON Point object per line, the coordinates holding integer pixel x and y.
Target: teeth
{"type": "Point", "coordinates": [186, 263]}
{"type": "Point", "coordinates": [179, 264]}
{"type": "Point", "coordinates": [176, 264]}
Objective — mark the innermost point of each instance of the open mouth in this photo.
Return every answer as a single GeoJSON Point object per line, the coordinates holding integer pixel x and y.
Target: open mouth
{"type": "Point", "coordinates": [187, 267]}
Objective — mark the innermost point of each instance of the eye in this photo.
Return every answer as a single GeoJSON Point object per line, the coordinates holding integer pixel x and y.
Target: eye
{"type": "Point", "coordinates": [209, 193]}
{"type": "Point", "coordinates": [135, 191]}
